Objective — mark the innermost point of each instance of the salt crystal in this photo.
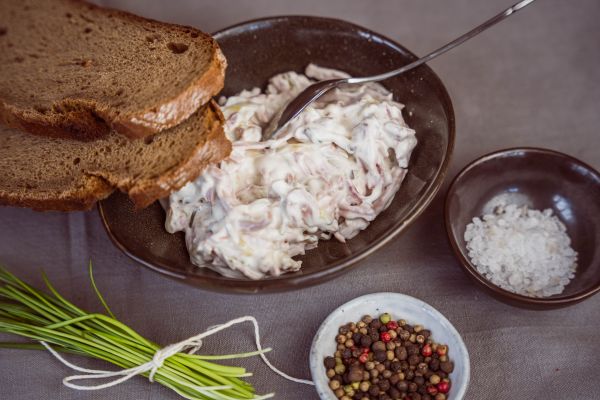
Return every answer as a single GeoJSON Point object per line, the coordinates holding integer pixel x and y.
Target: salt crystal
{"type": "Point", "coordinates": [521, 250]}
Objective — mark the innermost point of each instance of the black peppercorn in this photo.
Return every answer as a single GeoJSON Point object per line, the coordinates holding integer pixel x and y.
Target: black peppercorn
{"type": "Point", "coordinates": [395, 366]}
{"type": "Point", "coordinates": [329, 362]}
{"type": "Point", "coordinates": [374, 390]}
{"type": "Point", "coordinates": [394, 393]}
{"type": "Point", "coordinates": [413, 360]}
{"type": "Point", "coordinates": [375, 324]}
{"type": "Point", "coordinates": [379, 356]}
{"type": "Point", "coordinates": [347, 353]}
{"type": "Point", "coordinates": [384, 385]}
{"type": "Point", "coordinates": [366, 341]}
{"type": "Point", "coordinates": [447, 366]}
{"type": "Point", "coordinates": [412, 387]}
{"type": "Point", "coordinates": [401, 353]}
{"type": "Point", "coordinates": [378, 346]}
{"type": "Point", "coordinates": [355, 374]}
{"type": "Point", "coordinates": [412, 349]}
{"type": "Point", "coordinates": [434, 364]}
{"type": "Point", "coordinates": [422, 368]}
{"type": "Point", "coordinates": [402, 386]}
{"type": "Point", "coordinates": [419, 380]}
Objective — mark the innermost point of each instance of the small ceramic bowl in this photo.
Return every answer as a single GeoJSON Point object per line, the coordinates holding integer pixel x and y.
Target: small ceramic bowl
{"type": "Point", "coordinates": [540, 179]}
{"type": "Point", "coordinates": [400, 306]}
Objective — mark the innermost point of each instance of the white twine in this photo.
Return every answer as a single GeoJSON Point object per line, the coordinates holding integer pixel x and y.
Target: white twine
{"type": "Point", "coordinates": [191, 344]}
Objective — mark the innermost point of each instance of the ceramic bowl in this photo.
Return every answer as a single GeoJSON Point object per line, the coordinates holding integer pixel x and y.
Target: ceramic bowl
{"type": "Point", "coordinates": [256, 51]}
{"type": "Point", "coordinates": [400, 306]}
{"type": "Point", "coordinates": [540, 179]}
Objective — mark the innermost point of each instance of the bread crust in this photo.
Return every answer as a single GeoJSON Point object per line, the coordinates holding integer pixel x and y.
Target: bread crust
{"type": "Point", "coordinates": [88, 119]}
{"type": "Point", "coordinates": [213, 148]}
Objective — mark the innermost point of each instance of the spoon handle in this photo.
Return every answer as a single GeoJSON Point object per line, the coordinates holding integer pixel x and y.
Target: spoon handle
{"type": "Point", "coordinates": [461, 39]}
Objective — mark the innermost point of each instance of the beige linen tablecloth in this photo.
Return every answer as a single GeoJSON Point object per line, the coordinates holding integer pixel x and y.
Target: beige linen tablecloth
{"type": "Point", "coordinates": [534, 80]}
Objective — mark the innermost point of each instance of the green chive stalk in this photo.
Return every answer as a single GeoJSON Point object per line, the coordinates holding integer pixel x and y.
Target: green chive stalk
{"type": "Point", "coordinates": [50, 318]}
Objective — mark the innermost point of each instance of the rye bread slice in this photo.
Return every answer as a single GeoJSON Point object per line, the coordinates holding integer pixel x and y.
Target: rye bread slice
{"type": "Point", "coordinates": [74, 70]}
{"type": "Point", "coordinates": [62, 174]}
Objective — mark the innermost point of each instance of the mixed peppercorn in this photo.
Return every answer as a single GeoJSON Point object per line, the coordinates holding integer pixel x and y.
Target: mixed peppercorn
{"type": "Point", "coordinates": [384, 359]}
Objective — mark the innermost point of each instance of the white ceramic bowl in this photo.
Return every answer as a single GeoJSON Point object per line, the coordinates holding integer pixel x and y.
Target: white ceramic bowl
{"type": "Point", "coordinates": [400, 306]}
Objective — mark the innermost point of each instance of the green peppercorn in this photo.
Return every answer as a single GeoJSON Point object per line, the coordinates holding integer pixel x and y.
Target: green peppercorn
{"type": "Point", "coordinates": [418, 328]}
{"type": "Point", "coordinates": [340, 369]}
{"type": "Point", "coordinates": [367, 319]}
{"type": "Point", "coordinates": [369, 365]}
{"type": "Point", "coordinates": [334, 385]}
{"type": "Point", "coordinates": [385, 318]}
{"type": "Point", "coordinates": [339, 393]}
{"type": "Point", "coordinates": [330, 373]}
{"type": "Point", "coordinates": [434, 379]}
{"type": "Point", "coordinates": [390, 355]}
{"type": "Point", "coordinates": [341, 338]}
{"type": "Point", "coordinates": [364, 386]}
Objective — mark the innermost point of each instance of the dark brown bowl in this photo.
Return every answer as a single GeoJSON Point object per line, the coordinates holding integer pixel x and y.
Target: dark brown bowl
{"type": "Point", "coordinates": [259, 49]}
{"type": "Point", "coordinates": [540, 179]}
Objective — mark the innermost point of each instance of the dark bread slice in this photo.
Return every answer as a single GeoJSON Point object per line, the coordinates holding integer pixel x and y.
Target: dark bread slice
{"type": "Point", "coordinates": [74, 70]}
{"type": "Point", "coordinates": [62, 174]}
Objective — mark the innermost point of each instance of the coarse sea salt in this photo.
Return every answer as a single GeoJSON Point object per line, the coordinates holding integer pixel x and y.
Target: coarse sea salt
{"type": "Point", "coordinates": [521, 250]}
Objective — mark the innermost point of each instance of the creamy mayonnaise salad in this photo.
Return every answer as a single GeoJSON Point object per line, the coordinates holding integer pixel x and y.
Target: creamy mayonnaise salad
{"type": "Point", "coordinates": [329, 172]}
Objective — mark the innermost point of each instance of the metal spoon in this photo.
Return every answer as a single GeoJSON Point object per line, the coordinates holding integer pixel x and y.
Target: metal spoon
{"type": "Point", "coordinates": [313, 92]}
